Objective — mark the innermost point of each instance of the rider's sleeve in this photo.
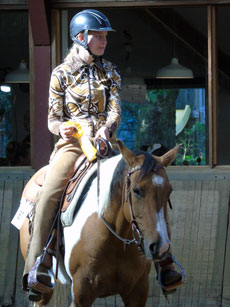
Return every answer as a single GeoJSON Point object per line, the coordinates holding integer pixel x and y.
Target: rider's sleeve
{"type": "Point", "coordinates": [114, 102]}
{"type": "Point", "coordinates": [56, 101]}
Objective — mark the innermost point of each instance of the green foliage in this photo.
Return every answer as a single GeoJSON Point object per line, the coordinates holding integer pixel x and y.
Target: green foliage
{"type": "Point", "coordinates": [156, 119]}
{"type": "Point", "coordinates": [192, 150]}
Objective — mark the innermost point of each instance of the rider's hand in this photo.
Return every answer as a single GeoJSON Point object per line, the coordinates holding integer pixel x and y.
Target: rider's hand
{"type": "Point", "coordinates": [103, 132]}
{"type": "Point", "coordinates": [66, 132]}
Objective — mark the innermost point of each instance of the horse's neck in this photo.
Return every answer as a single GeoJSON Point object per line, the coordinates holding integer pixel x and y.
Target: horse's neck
{"type": "Point", "coordinates": [114, 214]}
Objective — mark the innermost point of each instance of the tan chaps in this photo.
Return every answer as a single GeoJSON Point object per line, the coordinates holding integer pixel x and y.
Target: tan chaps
{"type": "Point", "coordinates": [60, 170]}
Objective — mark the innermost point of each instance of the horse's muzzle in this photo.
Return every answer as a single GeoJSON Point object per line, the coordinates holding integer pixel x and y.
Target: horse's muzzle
{"type": "Point", "coordinates": [158, 250]}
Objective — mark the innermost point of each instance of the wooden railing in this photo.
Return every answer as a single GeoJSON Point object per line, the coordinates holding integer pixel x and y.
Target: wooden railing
{"type": "Point", "coordinates": [200, 237]}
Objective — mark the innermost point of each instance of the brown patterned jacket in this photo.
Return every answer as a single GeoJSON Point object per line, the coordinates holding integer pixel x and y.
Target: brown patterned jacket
{"type": "Point", "coordinates": [87, 94]}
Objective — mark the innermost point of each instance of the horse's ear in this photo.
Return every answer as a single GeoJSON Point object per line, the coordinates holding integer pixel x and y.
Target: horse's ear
{"type": "Point", "coordinates": [127, 154]}
{"type": "Point", "coordinates": [169, 156]}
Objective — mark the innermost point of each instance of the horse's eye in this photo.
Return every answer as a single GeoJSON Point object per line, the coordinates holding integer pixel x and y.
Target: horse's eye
{"type": "Point", "coordinates": [138, 192]}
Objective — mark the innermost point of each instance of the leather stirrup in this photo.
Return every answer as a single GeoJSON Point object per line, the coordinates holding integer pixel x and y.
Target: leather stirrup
{"type": "Point", "coordinates": [34, 283]}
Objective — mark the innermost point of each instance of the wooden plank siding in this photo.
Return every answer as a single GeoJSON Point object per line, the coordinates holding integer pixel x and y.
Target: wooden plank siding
{"type": "Point", "coordinates": [12, 182]}
{"type": "Point", "coordinates": [200, 237]}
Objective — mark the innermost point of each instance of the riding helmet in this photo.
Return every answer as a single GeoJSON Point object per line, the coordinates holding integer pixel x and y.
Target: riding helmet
{"type": "Point", "coordinates": [88, 20]}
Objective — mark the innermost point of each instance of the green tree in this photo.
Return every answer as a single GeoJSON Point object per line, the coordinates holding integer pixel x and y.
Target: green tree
{"type": "Point", "coordinates": [156, 119]}
{"type": "Point", "coordinates": [192, 140]}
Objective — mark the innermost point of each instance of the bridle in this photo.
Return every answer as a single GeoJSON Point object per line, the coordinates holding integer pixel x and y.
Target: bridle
{"type": "Point", "coordinates": [133, 221]}
{"type": "Point", "coordinates": [137, 235]}
{"type": "Point", "coordinates": [99, 156]}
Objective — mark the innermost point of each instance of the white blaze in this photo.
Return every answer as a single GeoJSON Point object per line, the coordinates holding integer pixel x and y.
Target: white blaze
{"type": "Point", "coordinates": [162, 229]}
{"type": "Point", "coordinates": [158, 180]}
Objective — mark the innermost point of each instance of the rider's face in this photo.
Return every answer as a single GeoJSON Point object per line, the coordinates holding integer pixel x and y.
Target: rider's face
{"type": "Point", "coordinates": [97, 41]}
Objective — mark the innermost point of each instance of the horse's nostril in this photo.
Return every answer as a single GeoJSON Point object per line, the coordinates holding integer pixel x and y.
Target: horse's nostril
{"type": "Point", "coordinates": [153, 247]}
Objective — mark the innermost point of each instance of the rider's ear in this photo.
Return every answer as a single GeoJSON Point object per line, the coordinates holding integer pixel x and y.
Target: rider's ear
{"type": "Point", "coordinates": [80, 36]}
{"type": "Point", "coordinates": [169, 156]}
{"type": "Point", "coordinates": [131, 159]}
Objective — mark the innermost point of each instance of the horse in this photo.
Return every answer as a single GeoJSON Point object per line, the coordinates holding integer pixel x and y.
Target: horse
{"type": "Point", "coordinates": [119, 229]}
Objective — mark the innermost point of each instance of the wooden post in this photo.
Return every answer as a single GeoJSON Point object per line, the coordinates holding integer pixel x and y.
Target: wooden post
{"type": "Point", "coordinates": [212, 85]}
{"type": "Point", "coordinates": [40, 74]}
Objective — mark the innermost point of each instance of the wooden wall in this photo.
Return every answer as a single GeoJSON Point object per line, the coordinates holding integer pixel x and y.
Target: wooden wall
{"type": "Point", "coordinates": [12, 181]}
{"type": "Point", "coordinates": [200, 236]}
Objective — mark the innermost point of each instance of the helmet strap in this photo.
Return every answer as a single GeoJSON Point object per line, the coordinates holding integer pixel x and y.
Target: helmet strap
{"type": "Point", "coordinates": [85, 43]}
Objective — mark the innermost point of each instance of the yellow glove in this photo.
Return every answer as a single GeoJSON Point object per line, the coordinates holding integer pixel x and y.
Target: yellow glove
{"type": "Point", "coordinates": [88, 149]}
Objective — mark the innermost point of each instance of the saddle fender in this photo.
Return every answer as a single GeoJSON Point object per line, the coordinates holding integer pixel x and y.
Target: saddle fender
{"type": "Point", "coordinates": [36, 182]}
{"type": "Point", "coordinates": [34, 185]}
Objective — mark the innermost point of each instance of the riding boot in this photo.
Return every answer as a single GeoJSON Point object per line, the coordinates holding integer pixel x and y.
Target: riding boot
{"type": "Point", "coordinates": [167, 275]}
{"type": "Point", "coordinates": [46, 206]}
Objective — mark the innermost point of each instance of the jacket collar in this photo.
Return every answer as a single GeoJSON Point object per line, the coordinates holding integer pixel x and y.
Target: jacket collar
{"type": "Point", "coordinates": [76, 63]}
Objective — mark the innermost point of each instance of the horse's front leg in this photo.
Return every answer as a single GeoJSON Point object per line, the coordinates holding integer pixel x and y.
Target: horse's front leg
{"type": "Point", "coordinates": [82, 291]}
{"type": "Point", "coordinates": [139, 294]}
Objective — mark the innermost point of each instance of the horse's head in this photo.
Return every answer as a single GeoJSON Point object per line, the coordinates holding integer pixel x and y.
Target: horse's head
{"type": "Point", "coordinates": [148, 191]}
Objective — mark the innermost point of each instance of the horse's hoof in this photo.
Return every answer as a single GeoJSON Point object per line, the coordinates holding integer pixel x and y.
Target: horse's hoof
{"type": "Point", "coordinates": [34, 296]}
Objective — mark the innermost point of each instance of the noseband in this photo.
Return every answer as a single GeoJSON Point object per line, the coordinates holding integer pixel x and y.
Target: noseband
{"type": "Point", "coordinates": [133, 222]}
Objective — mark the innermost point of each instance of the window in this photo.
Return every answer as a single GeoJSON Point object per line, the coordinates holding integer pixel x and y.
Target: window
{"type": "Point", "coordinates": [14, 104]}
{"type": "Point", "coordinates": [174, 110]}
{"type": "Point", "coordinates": [168, 117]}
{"type": "Point", "coordinates": [223, 92]}
{"type": "Point", "coordinates": [146, 42]}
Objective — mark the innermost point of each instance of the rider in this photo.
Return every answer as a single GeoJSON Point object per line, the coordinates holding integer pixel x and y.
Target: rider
{"type": "Point", "coordinates": [84, 89]}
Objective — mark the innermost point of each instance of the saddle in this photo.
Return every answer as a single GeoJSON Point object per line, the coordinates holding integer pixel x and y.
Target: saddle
{"type": "Point", "coordinates": [80, 168]}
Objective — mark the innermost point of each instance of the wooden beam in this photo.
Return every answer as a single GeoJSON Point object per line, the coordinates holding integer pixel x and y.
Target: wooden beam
{"type": "Point", "coordinates": [159, 3]}
{"type": "Point", "coordinates": [40, 68]}
{"type": "Point", "coordinates": [13, 7]}
{"type": "Point", "coordinates": [55, 38]}
{"type": "Point", "coordinates": [31, 66]}
{"type": "Point", "coordinates": [55, 46]}
{"type": "Point", "coordinates": [212, 85]}
{"type": "Point", "coordinates": [39, 23]}
{"type": "Point", "coordinates": [42, 136]}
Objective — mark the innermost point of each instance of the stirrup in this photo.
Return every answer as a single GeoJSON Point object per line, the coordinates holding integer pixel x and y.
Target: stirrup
{"type": "Point", "coordinates": [34, 283]}
{"type": "Point", "coordinates": [171, 288]}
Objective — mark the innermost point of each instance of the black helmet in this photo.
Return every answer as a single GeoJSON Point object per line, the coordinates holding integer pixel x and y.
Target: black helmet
{"type": "Point", "coordinates": [88, 20]}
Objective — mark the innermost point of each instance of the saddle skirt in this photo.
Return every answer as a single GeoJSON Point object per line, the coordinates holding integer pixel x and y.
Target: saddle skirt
{"type": "Point", "coordinates": [82, 172]}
